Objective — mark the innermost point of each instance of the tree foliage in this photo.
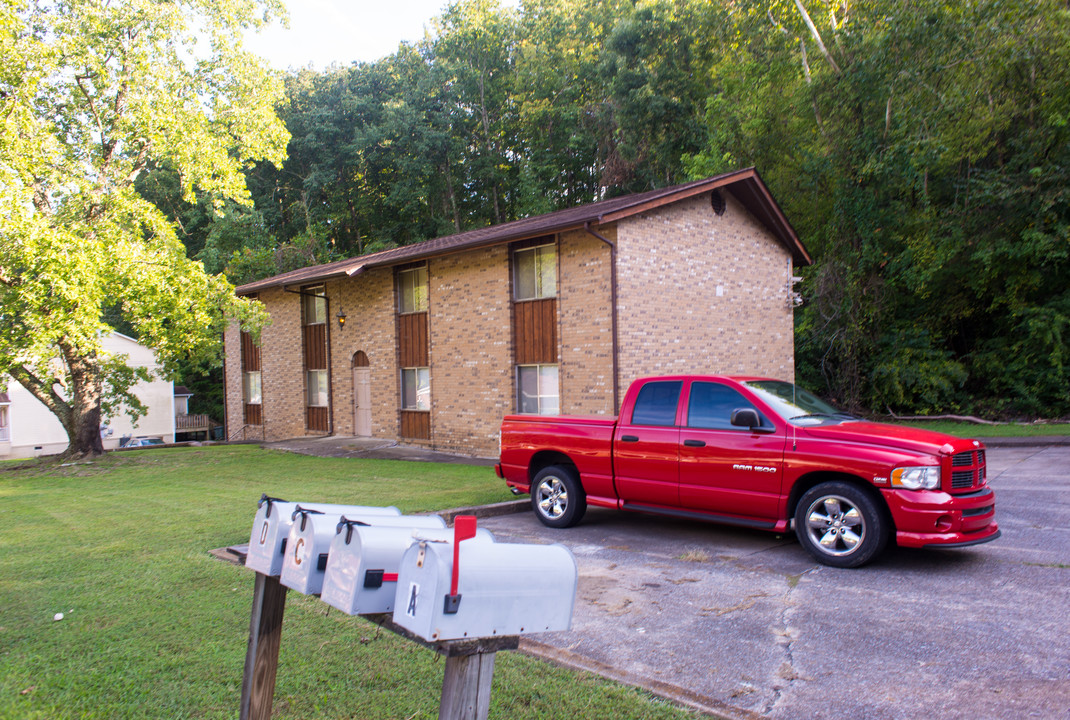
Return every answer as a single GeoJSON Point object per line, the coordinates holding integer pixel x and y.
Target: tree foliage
{"type": "Point", "coordinates": [91, 96]}
{"type": "Point", "coordinates": [920, 149]}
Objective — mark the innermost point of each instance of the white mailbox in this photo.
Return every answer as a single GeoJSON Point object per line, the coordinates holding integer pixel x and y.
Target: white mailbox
{"type": "Point", "coordinates": [484, 589]}
{"type": "Point", "coordinates": [271, 527]}
{"type": "Point", "coordinates": [305, 561]}
{"type": "Point", "coordinates": [363, 563]}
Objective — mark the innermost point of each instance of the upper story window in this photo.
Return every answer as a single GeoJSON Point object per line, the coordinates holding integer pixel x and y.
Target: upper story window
{"type": "Point", "coordinates": [412, 290]}
{"type": "Point", "coordinates": [315, 305]}
{"type": "Point", "coordinates": [535, 273]}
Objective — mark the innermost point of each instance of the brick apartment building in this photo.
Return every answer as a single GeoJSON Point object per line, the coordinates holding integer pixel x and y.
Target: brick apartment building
{"type": "Point", "coordinates": [433, 343]}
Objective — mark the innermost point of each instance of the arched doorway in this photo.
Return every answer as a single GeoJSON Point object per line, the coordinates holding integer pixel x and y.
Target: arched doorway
{"type": "Point", "coordinates": [362, 395]}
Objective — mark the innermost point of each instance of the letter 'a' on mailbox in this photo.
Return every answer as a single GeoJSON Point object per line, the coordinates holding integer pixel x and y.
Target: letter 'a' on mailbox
{"type": "Point", "coordinates": [502, 589]}
{"type": "Point", "coordinates": [363, 563]}
{"type": "Point", "coordinates": [271, 527]}
{"type": "Point", "coordinates": [309, 542]}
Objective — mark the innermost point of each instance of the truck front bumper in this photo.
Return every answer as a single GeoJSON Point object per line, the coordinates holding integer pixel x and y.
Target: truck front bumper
{"type": "Point", "coordinates": [934, 519]}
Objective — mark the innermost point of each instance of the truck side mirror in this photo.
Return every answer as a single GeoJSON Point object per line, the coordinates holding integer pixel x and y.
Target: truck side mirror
{"type": "Point", "coordinates": [748, 418]}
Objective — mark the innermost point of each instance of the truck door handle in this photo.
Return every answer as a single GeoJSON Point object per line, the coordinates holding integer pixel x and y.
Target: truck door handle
{"type": "Point", "coordinates": [629, 438]}
{"type": "Point", "coordinates": [695, 443]}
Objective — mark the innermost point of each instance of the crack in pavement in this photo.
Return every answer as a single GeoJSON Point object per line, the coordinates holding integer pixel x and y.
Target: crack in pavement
{"type": "Point", "coordinates": [786, 636]}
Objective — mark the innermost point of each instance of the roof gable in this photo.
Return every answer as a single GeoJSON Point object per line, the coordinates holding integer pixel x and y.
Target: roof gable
{"type": "Point", "coordinates": [746, 185]}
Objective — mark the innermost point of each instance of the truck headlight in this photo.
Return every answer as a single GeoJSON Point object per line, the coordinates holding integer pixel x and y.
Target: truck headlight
{"type": "Point", "coordinates": [925, 477]}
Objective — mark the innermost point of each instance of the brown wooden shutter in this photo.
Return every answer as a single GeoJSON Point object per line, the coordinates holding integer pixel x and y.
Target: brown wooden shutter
{"type": "Point", "coordinates": [535, 330]}
{"type": "Point", "coordinates": [412, 340]}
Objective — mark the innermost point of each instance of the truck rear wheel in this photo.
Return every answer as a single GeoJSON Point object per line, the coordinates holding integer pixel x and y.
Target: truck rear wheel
{"type": "Point", "coordinates": [557, 497]}
{"type": "Point", "coordinates": [840, 524]}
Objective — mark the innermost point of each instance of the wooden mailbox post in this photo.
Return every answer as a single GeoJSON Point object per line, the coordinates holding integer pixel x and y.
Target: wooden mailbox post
{"type": "Point", "coordinates": [466, 685]}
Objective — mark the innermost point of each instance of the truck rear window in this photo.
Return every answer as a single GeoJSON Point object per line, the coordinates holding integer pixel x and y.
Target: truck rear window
{"type": "Point", "coordinates": [656, 404]}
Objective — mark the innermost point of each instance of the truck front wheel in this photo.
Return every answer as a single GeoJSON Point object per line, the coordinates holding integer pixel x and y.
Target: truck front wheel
{"type": "Point", "coordinates": [840, 525]}
{"type": "Point", "coordinates": [557, 497]}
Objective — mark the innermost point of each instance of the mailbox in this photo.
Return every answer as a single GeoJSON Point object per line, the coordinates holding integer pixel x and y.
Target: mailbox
{"type": "Point", "coordinates": [363, 563]}
{"type": "Point", "coordinates": [271, 527]}
{"type": "Point", "coordinates": [484, 589]}
{"type": "Point", "coordinates": [307, 546]}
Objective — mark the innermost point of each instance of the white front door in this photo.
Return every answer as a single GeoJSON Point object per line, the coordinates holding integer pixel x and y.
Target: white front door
{"type": "Point", "coordinates": [362, 401]}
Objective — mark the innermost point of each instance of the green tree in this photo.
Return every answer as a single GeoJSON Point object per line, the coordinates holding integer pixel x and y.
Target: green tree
{"type": "Point", "coordinates": [921, 151]}
{"type": "Point", "coordinates": [90, 94]}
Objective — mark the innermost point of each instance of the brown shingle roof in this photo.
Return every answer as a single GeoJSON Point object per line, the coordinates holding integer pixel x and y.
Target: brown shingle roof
{"type": "Point", "coordinates": [745, 185]}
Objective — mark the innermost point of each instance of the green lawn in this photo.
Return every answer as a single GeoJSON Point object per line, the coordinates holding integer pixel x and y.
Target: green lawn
{"type": "Point", "coordinates": [156, 627]}
{"type": "Point", "coordinates": [977, 430]}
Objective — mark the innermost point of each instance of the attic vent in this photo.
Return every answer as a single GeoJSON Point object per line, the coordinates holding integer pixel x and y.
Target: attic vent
{"type": "Point", "coordinates": [717, 202]}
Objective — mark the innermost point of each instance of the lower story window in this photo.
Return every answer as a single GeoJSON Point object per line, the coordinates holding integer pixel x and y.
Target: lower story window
{"type": "Point", "coordinates": [317, 388]}
{"type": "Point", "coordinates": [416, 388]}
{"type": "Point", "coordinates": [537, 390]}
{"type": "Point", "coordinates": [251, 387]}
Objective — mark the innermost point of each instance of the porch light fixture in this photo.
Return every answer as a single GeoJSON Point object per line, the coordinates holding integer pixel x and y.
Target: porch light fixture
{"type": "Point", "coordinates": [341, 319]}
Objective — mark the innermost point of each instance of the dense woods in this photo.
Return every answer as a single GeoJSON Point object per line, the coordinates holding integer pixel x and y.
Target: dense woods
{"type": "Point", "coordinates": [921, 149]}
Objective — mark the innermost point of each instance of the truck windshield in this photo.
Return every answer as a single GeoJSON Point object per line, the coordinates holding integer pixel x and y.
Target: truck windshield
{"type": "Point", "coordinates": [796, 405]}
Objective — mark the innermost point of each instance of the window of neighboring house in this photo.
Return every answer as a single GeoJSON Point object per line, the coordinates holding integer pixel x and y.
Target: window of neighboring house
{"type": "Point", "coordinates": [416, 388]}
{"type": "Point", "coordinates": [412, 290]}
{"type": "Point", "coordinates": [535, 273]}
{"type": "Point", "coordinates": [315, 305]}
{"type": "Point", "coordinates": [537, 390]}
{"type": "Point", "coordinates": [317, 388]}
{"type": "Point", "coordinates": [5, 431]}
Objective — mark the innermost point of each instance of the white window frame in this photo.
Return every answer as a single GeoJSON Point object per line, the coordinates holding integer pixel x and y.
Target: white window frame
{"type": "Point", "coordinates": [544, 283]}
{"type": "Point", "coordinates": [543, 393]}
{"type": "Point", "coordinates": [422, 385]}
{"type": "Point", "coordinates": [412, 299]}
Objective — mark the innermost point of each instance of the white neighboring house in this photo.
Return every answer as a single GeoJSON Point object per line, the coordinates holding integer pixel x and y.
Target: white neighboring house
{"type": "Point", "coordinates": [29, 429]}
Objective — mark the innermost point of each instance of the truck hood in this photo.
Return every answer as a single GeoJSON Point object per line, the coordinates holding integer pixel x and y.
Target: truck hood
{"type": "Point", "coordinates": [891, 436]}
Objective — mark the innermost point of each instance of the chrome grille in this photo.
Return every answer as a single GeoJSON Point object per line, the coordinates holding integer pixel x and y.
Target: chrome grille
{"type": "Point", "coordinates": [962, 478]}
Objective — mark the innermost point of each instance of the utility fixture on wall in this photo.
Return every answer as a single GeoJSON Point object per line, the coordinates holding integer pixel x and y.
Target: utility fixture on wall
{"type": "Point", "coordinates": [341, 319]}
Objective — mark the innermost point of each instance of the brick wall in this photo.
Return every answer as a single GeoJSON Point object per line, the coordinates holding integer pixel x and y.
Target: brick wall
{"type": "Point", "coordinates": [368, 302]}
{"type": "Point", "coordinates": [232, 390]}
{"type": "Point", "coordinates": [471, 349]}
{"type": "Point", "coordinates": [282, 374]}
{"type": "Point", "coordinates": [585, 324]}
{"type": "Point", "coordinates": [673, 318]}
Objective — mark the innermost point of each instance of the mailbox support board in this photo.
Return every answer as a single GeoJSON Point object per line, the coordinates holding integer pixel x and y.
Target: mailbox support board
{"type": "Point", "coordinates": [465, 687]}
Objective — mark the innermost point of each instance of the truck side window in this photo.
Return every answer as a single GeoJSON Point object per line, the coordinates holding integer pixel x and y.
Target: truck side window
{"type": "Point", "coordinates": [711, 406]}
{"type": "Point", "coordinates": [656, 404]}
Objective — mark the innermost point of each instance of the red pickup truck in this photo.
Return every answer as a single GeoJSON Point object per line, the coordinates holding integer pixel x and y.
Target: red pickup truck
{"type": "Point", "coordinates": [758, 453]}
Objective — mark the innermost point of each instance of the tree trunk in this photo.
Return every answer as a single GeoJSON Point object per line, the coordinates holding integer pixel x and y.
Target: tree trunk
{"type": "Point", "coordinates": [84, 434]}
{"type": "Point", "coordinates": [83, 421]}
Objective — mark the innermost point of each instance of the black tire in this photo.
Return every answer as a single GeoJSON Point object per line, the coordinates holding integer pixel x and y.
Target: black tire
{"type": "Point", "coordinates": [557, 498]}
{"type": "Point", "coordinates": [841, 524]}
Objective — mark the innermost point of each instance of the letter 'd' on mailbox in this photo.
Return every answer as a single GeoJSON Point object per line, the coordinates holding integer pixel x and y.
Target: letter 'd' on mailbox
{"type": "Point", "coordinates": [271, 527]}
{"type": "Point", "coordinates": [502, 589]}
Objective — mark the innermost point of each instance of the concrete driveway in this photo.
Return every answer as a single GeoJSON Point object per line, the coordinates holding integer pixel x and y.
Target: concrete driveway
{"type": "Point", "coordinates": [742, 624]}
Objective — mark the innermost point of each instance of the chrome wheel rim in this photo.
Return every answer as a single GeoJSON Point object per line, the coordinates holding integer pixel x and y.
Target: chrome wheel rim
{"type": "Point", "coordinates": [552, 497]}
{"type": "Point", "coordinates": [835, 525]}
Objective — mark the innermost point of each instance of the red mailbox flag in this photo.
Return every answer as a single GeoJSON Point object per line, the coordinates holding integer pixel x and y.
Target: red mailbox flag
{"type": "Point", "coordinates": [464, 527]}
